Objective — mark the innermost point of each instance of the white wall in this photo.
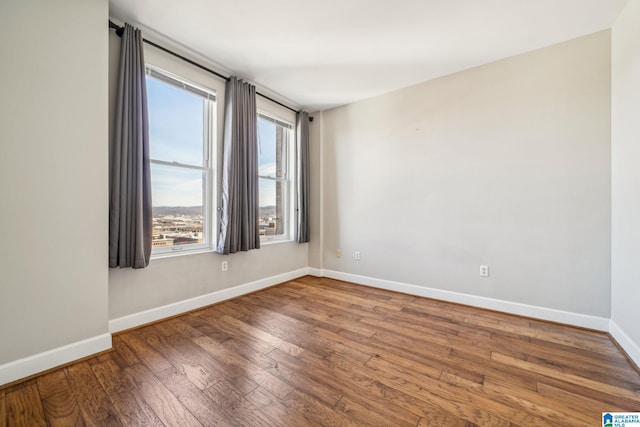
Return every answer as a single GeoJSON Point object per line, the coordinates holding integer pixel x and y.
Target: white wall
{"type": "Point", "coordinates": [506, 165]}
{"type": "Point", "coordinates": [174, 279]}
{"type": "Point", "coordinates": [53, 176]}
{"type": "Point", "coordinates": [171, 280]}
{"type": "Point", "coordinates": [626, 177]}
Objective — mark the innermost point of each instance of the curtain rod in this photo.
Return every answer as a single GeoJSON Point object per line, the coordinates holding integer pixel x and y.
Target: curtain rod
{"type": "Point", "coordinates": [119, 30]}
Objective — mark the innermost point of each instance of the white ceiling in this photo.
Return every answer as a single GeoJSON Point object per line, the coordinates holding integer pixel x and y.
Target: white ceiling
{"type": "Point", "coordinates": [321, 54]}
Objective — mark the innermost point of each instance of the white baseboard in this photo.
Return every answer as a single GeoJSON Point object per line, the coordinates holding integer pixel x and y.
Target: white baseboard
{"type": "Point", "coordinates": [628, 345]}
{"type": "Point", "coordinates": [31, 365]}
{"type": "Point", "coordinates": [550, 314]}
{"type": "Point", "coordinates": [317, 272]}
{"type": "Point", "coordinates": [159, 313]}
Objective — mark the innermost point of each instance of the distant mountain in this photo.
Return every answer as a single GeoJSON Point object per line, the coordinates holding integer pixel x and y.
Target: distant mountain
{"type": "Point", "coordinates": [190, 211]}
{"type": "Point", "coordinates": [267, 210]}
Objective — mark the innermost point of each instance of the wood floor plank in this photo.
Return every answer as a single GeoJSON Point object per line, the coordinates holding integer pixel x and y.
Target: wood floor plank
{"type": "Point", "coordinates": [260, 376]}
{"type": "Point", "coordinates": [188, 356]}
{"type": "Point", "coordinates": [352, 385]}
{"type": "Point", "coordinates": [471, 407]}
{"type": "Point", "coordinates": [248, 337]}
{"type": "Point", "coordinates": [310, 312]}
{"type": "Point", "coordinates": [288, 329]}
{"type": "Point", "coordinates": [193, 399]}
{"type": "Point", "coordinates": [340, 344]}
{"type": "Point", "coordinates": [261, 335]}
{"type": "Point", "coordinates": [606, 399]}
{"type": "Point", "coordinates": [426, 333]}
{"type": "Point", "coordinates": [59, 403]}
{"type": "Point", "coordinates": [441, 418]}
{"type": "Point", "coordinates": [405, 335]}
{"type": "Point", "coordinates": [620, 368]}
{"type": "Point", "coordinates": [459, 313]}
{"type": "Point", "coordinates": [184, 355]}
{"type": "Point", "coordinates": [450, 329]}
{"type": "Point", "coordinates": [345, 288]}
{"type": "Point", "coordinates": [23, 407]}
{"type": "Point", "coordinates": [317, 352]}
{"type": "Point", "coordinates": [122, 354]}
{"type": "Point", "coordinates": [611, 376]}
{"type": "Point", "coordinates": [404, 390]}
{"type": "Point", "coordinates": [275, 409]}
{"type": "Point", "coordinates": [575, 379]}
{"type": "Point", "coordinates": [494, 370]}
{"type": "Point", "coordinates": [207, 326]}
{"type": "Point", "coordinates": [609, 359]}
{"type": "Point", "coordinates": [303, 382]}
{"type": "Point", "coordinates": [131, 406]}
{"type": "Point", "coordinates": [579, 403]}
{"type": "Point", "coordinates": [145, 352]}
{"type": "Point", "coordinates": [422, 408]}
{"type": "Point", "coordinates": [424, 355]}
{"type": "Point", "coordinates": [243, 344]}
{"type": "Point", "coordinates": [97, 409]}
{"type": "Point", "coordinates": [318, 306]}
{"type": "Point", "coordinates": [3, 409]}
{"type": "Point", "coordinates": [313, 319]}
{"type": "Point", "coordinates": [165, 405]}
{"type": "Point", "coordinates": [579, 342]}
{"type": "Point", "coordinates": [374, 416]}
{"type": "Point", "coordinates": [353, 298]}
{"type": "Point", "coordinates": [237, 407]}
{"type": "Point", "coordinates": [526, 401]}
{"type": "Point", "coordinates": [245, 350]}
{"type": "Point", "coordinates": [315, 412]}
{"type": "Point", "coordinates": [178, 326]}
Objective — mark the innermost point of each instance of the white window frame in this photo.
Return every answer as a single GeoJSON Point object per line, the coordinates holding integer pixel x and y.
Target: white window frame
{"type": "Point", "coordinates": [209, 221]}
{"type": "Point", "coordinates": [280, 117]}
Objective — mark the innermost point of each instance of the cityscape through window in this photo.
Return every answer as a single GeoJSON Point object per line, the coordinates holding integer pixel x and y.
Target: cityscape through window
{"type": "Point", "coordinates": [181, 125]}
{"type": "Point", "coordinates": [274, 138]}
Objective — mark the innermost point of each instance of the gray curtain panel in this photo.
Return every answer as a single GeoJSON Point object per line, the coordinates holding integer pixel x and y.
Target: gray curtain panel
{"type": "Point", "coordinates": [239, 210]}
{"type": "Point", "coordinates": [302, 129]}
{"type": "Point", "coordinates": [130, 176]}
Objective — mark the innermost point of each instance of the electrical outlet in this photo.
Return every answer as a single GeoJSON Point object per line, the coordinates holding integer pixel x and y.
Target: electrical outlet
{"type": "Point", "coordinates": [338, 253]}
{"type": "Point", "coordinates": [484, 271]}
{"type": "Point", "coordinates": [224, 266]}
{"type": "Point", "coordinates": [357, 256]}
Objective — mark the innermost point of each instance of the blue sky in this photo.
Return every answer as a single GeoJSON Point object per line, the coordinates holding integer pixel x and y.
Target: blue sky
{"type": "Point", "coordinates": [267, 163]}
{"type": "Point", "coordinates": [176, 127]}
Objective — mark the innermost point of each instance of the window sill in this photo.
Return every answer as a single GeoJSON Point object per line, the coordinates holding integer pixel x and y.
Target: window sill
{"type": "Point", "coordinates": [182, 253]}
{"type": "Point", "coordinates": [275, 241]}
{"type": "Point", "coordinates": [210, 250]}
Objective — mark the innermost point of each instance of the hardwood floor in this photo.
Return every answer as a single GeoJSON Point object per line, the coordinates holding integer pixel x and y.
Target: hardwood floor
{"type": "Point", "coordinates": [324, 352]}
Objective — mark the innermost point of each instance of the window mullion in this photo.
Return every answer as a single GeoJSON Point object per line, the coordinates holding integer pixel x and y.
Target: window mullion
{"type": "Point", "coordinates": [176, 164]}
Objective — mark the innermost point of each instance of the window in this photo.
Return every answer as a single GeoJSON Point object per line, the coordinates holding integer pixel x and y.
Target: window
{"type": "Point", "coordinates": [181, 133]}
{"type": "Point", "coordinates": [274, 160]}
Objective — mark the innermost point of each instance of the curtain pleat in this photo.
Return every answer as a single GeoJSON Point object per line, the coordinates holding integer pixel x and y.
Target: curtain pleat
{"type": "Point", "coordinates": [302, 129]}
{"type": "Point", "coordinates": [130, 219]}
{"type": "Point", "coordinates": [239, 205]}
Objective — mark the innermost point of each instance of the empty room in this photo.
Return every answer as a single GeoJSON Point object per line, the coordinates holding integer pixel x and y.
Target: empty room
{"type": "Point", "coordinates": [410, 213]}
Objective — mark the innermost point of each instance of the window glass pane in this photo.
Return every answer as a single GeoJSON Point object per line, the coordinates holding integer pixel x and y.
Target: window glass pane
{"type": "Point", "coordinates": [177, 206]}
{"type": "Point", "coordinates": [271, 208]}
{"type": "Point", "coordinates": [176, 123]}
{"type": "Point", "coordinates": [273, 141]}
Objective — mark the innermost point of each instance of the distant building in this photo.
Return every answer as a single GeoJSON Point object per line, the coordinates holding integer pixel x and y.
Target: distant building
{"type": "Point", "coordinates": [161, 242]}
